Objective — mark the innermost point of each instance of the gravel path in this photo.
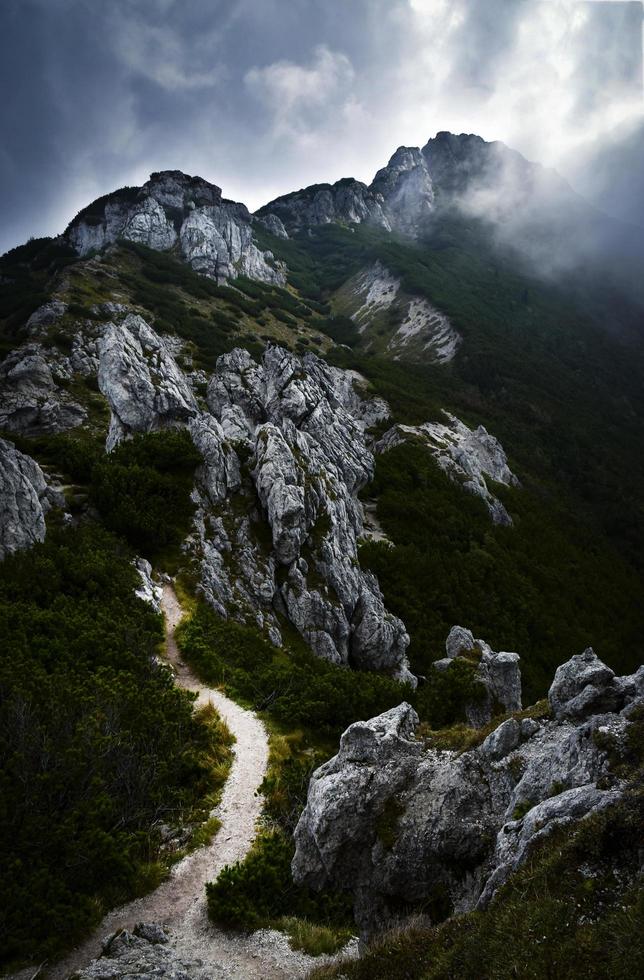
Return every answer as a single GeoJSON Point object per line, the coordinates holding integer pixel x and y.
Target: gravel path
{"type": "Point", "coordinates": [180, 902]}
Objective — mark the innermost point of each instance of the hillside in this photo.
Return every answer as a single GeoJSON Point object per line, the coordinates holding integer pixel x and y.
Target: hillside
{"type": "Point", "coordinates": [340, 426]}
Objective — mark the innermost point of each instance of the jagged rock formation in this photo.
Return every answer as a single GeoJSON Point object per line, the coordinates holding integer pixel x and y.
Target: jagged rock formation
{"type": "Point", "coordinates": [399, 824]}
{"type": "Point", "coordinates": [399, 198]}
{"type": "Point", "coordinates": [406, 188]}
{"type": "Point", "coordinates": [284, 448]}
{"type": "Point", "coordinates": [498, 674]}
{"type": "Point", "coordinates": [31, 400]}
{"type": "Point", "coordinates": [301, 427]}
{"type": "Point", "coordinates": [413, 327]}
{"type": "Point", "coordinates": [470, 458]}
{"type": "Point", "coordinates": [25, 498]}
{"type": "Point", "coordinates": [187, 215]}
{"type": "Point", "coordinates": [138, 375]}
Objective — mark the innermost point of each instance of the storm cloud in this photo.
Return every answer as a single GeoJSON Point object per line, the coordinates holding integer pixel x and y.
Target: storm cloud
{"type": "Point", "coordinates": [264, 97]}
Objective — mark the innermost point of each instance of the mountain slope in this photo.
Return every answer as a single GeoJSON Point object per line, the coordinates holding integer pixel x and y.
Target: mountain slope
{"type": "Point", "coordinates": [228, 394]}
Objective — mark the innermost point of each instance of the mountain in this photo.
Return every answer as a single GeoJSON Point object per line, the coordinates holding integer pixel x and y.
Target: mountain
{"type": "Point", "coordinates": [332, 430]}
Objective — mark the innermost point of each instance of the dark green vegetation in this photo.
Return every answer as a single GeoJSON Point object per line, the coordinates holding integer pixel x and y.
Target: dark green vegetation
{"type": "Point", "coordinates": [295, 690]}
{"type": "Point", "coordinates": [547, 587]}
{"type": "Point", "coordinates": [295, 687]}
{"type": "Point", "coordinates": [539, 368]}
{"type": "Point", "coordinates": [142, 491]}
{"type": "Point", "coordinates": [24, 274]}
{"type": "Point", "coordinates": [97, 746]}
{"type": "Point", "coordinates": [573, 910]}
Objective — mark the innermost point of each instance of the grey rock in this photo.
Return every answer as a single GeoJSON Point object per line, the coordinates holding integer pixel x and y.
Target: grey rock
{"type": "Point", "coordinates": [469, 457]}
{"type": "Point", "coordinates": [23, 500]}
{"type": "Point", "coordinates": [220, 474]}
{"type": "Point", "coordinates": [502, 740]}
{"type": "Point", "coordinates": [45, 316]}
{"type": "Point", "coordinates": [406, 188]}
{"type": "Point", "coordinates": [148, 590]}
{"type": "Point", "coordinates": [303, 424]}
{"type": "Point", "coordinates": [401, 197]}
{"type": "Point", "coordinates": [272, 224]}
{"type": "Point", "coordinates": [187, 215]}
{"type": "Point", "coordinates": [144, 954]}
{"type": "Point", "coordinates": [584, 686]}
{"type": "Point", "coordinates": [529, 727]}
{"type": "Point", "coordinates": [152, 932]}
{"type": "Point", "coordinates": [394, 822]}
{"type": "Point", "coordinates": [31, 402]}
{"type": "Point", "coordinates": [459, 641]}
{"type": "Point", "coordinates": [499, 675]}
{"type": "Point", "coordinates": [347, 201]}
{"type": "Point", "coordinates": [145, 388]}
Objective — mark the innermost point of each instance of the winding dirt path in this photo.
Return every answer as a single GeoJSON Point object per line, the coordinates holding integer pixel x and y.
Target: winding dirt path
{"type": "Point", "coordinates": [180, 902]}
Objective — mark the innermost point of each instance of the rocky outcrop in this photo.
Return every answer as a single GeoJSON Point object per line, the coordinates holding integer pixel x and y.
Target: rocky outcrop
{"type": "Point", "coordinates": [406, 189]}
{"type": "Point", "coordinates": [497, 674]}
{"type": "Point", "coordinates": [45, 316]}
{"type": "Point", "coordinates": [585, 686]}
{"type": "Point", "coordinates": [187, 215]}
{"type": "Point", "coordinates": [25, 498]}
{"type": "Point", "coordinates": [149, 591]}
{"type": "Point", "coordinates": [138, 375]}
{"type": "Point", "coordinates": [401, 825]}
{"type": "Point", "coordinates": [469, 457]}
{"type": "Point", "coordinates": [272, 224]}
{"type": "Point", "coordinates": [32, 401]}
{"type": "Point", "coordinates": [288, 442]}
{"type": "Point", "coordinates": [139, 955]}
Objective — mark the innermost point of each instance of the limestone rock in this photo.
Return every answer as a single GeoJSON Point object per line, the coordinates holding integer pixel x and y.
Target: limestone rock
{"type": "Point", "coordinates": [145, 388]}
{"type": "Point", "coordinates": [346, 201]}
{"type": "Point", "coordinates": [584, 686]}
{"type": "Point", "coordinates": [397, 823]}
{"type": "Point", "coordinates": [376, 302]}
{"type": "Point", "coordinates": [23, 500]}
{"type": "Point", "coordinates": [139, 955]}
{"type": "Point", "coordinates": [407, 190]}
{"type": "Point", "coordinates": [219, 475]}
{"type": "Point", "coordinates": [469, 457]}
{"type": "Point", "coordinates": [498, 674]}
{"type": "Point", "coordinates": [187, 215]}
{"type": "Point", "coordinates": [45, 316]}
{"type": "Point", "coordinates": [148, 590]}
{"type": "Point", "coordinates": [302, 425]}
{"type": "Point", "coordinates": [31, 401]}
{"type": "Point", "coordinates": [272, 224]}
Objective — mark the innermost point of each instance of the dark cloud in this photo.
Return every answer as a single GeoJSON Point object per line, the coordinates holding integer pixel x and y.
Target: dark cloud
{"type": "Point", "coordinates": [261, 97]}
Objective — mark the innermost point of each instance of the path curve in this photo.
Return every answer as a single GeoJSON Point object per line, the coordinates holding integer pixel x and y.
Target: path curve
{"type": "Point", "coordinates": [180, 902]}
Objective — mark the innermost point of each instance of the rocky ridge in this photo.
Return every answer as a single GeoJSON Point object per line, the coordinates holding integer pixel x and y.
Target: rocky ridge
{"type": "Point", "coordinates": [283, 442]}
{"type": "Point", "coordinates": [400, 198]}
{"type": "Point", "coordinates": [186, 215]}
{"type": "Point", "coordinates": [469, 457]}
{"type": "Point", "coordinates": [398, 823]}
{"type": "Point", "coordinates": [300, 427]}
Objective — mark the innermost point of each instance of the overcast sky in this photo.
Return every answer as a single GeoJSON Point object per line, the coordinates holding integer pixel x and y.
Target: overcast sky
{"type": "Point", "coordinates": [266, 96]}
